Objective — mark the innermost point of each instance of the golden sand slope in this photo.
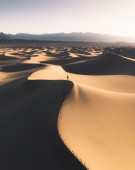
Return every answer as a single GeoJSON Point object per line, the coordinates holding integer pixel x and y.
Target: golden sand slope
{"type": "Point", "coordinates": [98, 127]}
{"type": "Point", "coordinates": [96, 124]}
{"type": "Point", "coordinates": [116, 83]}
{"type": "Point", "coordinates": [96, 121]}
{"type": "Point", "coordinates": [49, 73]}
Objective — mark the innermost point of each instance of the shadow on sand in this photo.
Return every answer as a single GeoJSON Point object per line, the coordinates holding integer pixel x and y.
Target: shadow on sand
{"type": "Point", "coordinates": [28, 125]}
{"type": "Point", "coordinates": [108, 64]}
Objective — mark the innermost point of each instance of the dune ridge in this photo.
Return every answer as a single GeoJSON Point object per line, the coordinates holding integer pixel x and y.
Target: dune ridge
{"type": "Point", "coordinates": [97, 120]}
{"type": "Point", "coordinates": [30, 125]}
{"type": "Point", "coordinates": [67, 108]}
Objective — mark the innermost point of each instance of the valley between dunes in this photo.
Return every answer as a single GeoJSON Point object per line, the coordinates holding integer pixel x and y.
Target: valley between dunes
{"type": "Point", "coordinates": [93, 94]}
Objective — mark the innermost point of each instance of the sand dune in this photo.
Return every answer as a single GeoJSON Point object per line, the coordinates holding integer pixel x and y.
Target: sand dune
{"type": "Point", "coordinates": [108, 64]}
{"type": "Point", "coordinates": [42, 57]}
{"type": "Point", "coordinates": [115, 83]}
{"type": "Point", "coordinates": [7, 77]}
{"type": "Point", "coordinates": [74, 55]}
{"type": "Point", "coordinates": [47, 122]}
{"type": "Point", "coordinates": [21, 67]}
{"type": "Point", "coordinates": [28, 123]}
{"type": "Point", "coordinates": [49, 73]}
{"type": "Point", "coordinates": [6, 60]}
{"type": "Point", "coordinates": [4, 57]}
{"type": "Point", "coordinates": [100, 115]}
{"type": "Point", "coordinates": [101, 132]}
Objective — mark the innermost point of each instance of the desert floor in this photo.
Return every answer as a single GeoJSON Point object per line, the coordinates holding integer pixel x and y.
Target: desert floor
{"type": "Point", "coordinates": [67, 108]}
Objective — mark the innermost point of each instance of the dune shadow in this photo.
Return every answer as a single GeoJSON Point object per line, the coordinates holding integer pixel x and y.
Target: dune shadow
{"type": "Point", "coordinates": [4, 58]}
{"type": "Point", "coordinates": [108, 64]}
{"type": "Point", "coordinates": [28, 121]}
{"type": "Point", "coordinates": [123, 51]}
{"type": "Point", "coordinates": [68, 60]}
{"type": "Point", "coordinates": [21, 67]}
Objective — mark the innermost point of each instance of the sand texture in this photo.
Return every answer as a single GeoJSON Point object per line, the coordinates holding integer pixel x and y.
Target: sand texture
{"type": "Point", "coordinates": [67, 108]}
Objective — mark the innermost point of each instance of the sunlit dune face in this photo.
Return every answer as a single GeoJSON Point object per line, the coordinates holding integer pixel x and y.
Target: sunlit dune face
{"type": "Point", "coordinates": [96, 119]}
{"type": "Point", "coordinates": [101, 133]}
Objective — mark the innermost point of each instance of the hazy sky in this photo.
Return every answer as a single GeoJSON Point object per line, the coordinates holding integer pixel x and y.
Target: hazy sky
{"type": "Point", "coordinates": [52, 16]}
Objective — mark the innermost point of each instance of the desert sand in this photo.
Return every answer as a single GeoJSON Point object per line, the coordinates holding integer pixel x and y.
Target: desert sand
{"type": "Point", "coordinates": [65, 108]}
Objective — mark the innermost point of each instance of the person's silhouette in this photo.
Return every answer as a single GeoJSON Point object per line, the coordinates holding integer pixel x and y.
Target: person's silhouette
{"type": "Point", "coordinates": [67, 77]}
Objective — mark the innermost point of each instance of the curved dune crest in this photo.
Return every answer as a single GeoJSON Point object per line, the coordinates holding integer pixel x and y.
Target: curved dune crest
{"type": "Point", "coordinates": [115, 83]}
{"type": "Point", "coordinates": [98, 127]}
{"type": "Point", "coordinates": [49, 73]}
{"type": "Point", "coordinates": [94, 127]}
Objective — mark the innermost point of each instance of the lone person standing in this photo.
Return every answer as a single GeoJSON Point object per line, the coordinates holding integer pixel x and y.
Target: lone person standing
{"type": "Point", "coordinates": [67, 77]}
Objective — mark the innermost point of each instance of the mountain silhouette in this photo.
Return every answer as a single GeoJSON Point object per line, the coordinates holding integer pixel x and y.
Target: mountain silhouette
{"type": "Point", "coordinates": [4, 36]}
{"type": "Point", "coordinates": [72, 37]}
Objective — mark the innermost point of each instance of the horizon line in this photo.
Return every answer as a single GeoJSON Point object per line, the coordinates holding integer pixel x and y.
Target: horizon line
{"type": "Point", "coordinates": [126, 36]}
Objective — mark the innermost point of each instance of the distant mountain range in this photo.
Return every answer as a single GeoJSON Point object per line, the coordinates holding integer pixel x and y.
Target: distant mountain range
{"type": "Point", "coordinates": [4, 36]}
{"type": "Point", "coordinates": [73, 37]}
